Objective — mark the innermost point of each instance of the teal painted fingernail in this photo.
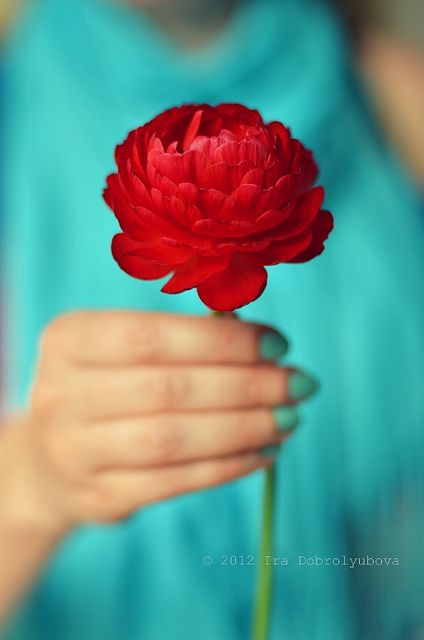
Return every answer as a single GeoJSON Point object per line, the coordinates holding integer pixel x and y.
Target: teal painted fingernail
{"type": "Point", "coordinates": [272, 451]}
{"type": "Point", "coordinates": [286, 418]}
{"type": "Point", "coordinates": [302, 385]}
{"type": "Point", "coordinates": [272, 345]}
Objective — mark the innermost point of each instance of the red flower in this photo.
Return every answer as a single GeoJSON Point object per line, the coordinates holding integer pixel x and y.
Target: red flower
{"type": "Point", "coordinates": [213, 195]}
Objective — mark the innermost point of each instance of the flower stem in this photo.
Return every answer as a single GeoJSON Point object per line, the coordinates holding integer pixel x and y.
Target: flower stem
{"type": "Point", "coordinates": [261, 614]}
{"type": "Point", "coordinates": [264, 581]}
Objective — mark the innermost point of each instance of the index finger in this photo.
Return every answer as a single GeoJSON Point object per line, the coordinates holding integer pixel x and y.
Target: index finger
{"type": "Point", "coordinates": [130, 338]}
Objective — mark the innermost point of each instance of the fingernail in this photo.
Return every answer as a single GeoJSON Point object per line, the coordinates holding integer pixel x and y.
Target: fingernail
{"type": "Point", "coordinates": [272, 451]}
{"type": "Point", "coordinates": [286, 418]}
{"type": "Point", "coordinates": [272, 345]}
{"type": "Point", "coordinates": [302, 385]}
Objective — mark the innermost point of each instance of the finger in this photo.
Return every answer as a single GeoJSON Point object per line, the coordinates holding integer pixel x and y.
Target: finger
{"type": "Point", "coordinates": [125, 491]}
{"type": "Point", "coordinates": [134, 391]}
{"type": "Point", "coordinates": [127, 337]}
{"type": "Point", "coordinates": [166, 439]}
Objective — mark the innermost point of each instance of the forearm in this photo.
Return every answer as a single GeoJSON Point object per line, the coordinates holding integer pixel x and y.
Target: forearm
{"type": "Point", "coordinates": [23, 551]}
{"type": "Point", "coordinates": [26, 536]}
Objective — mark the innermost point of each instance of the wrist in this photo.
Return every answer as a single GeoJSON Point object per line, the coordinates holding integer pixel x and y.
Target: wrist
{"type": "Point", "coordinates": [19, 525]}
{"type": "Point", "coordinates": [23, 507]}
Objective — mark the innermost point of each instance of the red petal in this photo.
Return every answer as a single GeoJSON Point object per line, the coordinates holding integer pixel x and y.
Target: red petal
{"type": "Point", "coordinates": [215, 176]}
{"type": "Point", "coordinates": [175, 211]}
{"type": "Point", "coordinates": [281, 250]}
{"type": "Point", "coordinates": [169, 227]}
{"type": "Point", "coordinates": [171, 124]}
{"type": "Point", "coordinates": [129, 151]}
{"type": "Point", "coordinates": [130, 221]}
{"type": "Point", "coordinates": [138, 159]}
{"type": "Point", "coordinates": [206, 145]}
{"type": "Point", "coordinates": [234, 287]}
{"type": "Point", "coordinates": [303, 166]}
{"type": "Point", "coordinates": [272, 218]}
{"type": "Point", "coordinates": [243, 204]}
{"type": "Point", "coordinates": [193, 272]}
{"type": "Point", "coordinates": [177, 167]}
{"type": "Point", "coordinates": [160, 182]}
{"type": "Point", "coordinates": [322, 226]}
{"type": "Point", "coordinates": [212, 202]}
{"type": "Point", "coordinates": [302, 214]}
{"type": "Point", "coordinates": [242, 245]}
{"type": "Point", "coordinates": [154, 149]}
{"type": "Point", "coordinates": [163, 226]}
{"type": "Point", "coordinates": [111, 190]}
{"type": "Point", "coordinates": [115, 188]}
{"type": "Point", "coordinates": [172, 148]}
{"type": "Point", "coordinates": [165, 251]}
{"type": "Point", "coordinates": [250, 150]}
{"type": "Point", "coordinates": [188, 192]}
{"type": "Point", "coordinates": [122, 151]}
{"type": "Point", "coordinates": [123, 250]}
{"type": "Point", "coordinates": [221, 229]}
{"type": "Point", "coordinates": [254, 176]}
{"type": "Point", "coordinates": [192, 129]}
{"type": "Point", "coordinates": [234, 113]}
{"type": "Point", "coordinates": [135, 187]}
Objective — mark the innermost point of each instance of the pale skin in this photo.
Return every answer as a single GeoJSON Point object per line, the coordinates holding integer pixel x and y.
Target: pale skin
{"type": "Point", "coordinates": [127, 409]}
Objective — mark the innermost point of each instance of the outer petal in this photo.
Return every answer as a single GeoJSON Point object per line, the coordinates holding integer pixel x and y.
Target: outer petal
{"type": "Point", "coordinates": [195, 271]}
{"type": "Point", "coordinates": [304, 166]}
{"type": "Point", "coordinates": [131, 223]}
{"type": "Point", "coordinates": [165, 250]}
{"type": "Point", "coordinates": [302, 215]}
{"type": "Point", "coordinates": [322, 226]}
{"type": "Point", "coordinates": [282, 250]}
{"type": "Point", "coordinates": [124, 250]}
{"type": "Point", "coordinates": [234, 287]}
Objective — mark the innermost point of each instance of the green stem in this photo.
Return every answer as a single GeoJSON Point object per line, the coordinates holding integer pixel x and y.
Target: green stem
{"type": "Point", "coordinates": [264, 580]}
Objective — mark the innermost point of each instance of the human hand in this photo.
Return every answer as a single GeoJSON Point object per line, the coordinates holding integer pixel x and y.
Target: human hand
{"type": "Point", "coordinates": [130, 408]}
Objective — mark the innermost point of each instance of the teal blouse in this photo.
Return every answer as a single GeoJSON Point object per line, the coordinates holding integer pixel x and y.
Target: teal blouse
{"type": "Point", "coordinates": [79, 74]}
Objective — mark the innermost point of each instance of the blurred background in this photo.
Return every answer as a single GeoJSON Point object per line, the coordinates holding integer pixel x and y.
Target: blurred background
{"type": "Point", "coordinates": [348, 78]}
{"type": "Point", "coordinates": [388, 41]}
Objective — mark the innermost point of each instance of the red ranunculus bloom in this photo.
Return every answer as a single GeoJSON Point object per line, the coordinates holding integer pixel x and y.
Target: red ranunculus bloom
{"type": "Point", "coordinates": [213, 195]}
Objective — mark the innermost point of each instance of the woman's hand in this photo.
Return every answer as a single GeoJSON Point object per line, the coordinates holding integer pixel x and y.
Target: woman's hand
{"type": "Point", "coordinates": [129, 408]}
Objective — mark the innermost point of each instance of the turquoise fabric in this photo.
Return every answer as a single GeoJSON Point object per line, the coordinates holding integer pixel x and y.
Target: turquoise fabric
{"type": "Point", "coordinates": [79, 75]}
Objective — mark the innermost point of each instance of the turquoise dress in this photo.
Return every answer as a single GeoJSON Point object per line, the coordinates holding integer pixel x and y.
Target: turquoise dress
{"type": "Point", "coordinates": [79, 75]}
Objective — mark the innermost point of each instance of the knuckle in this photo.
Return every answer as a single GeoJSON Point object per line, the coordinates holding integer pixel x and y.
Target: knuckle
{"type": "Point", "coordinates": [249, 426]}
{"type": "Point", "coordinates": [162, 439]}
{"type": "Point", "coordinates": [170, 387]}
{"type": "Point", "coordinates": [267, 380]}
{"type": "Point", "coordinates": [216, 473]}
{"type": "Point", "coordinates": [142, 339]}
{"type": "Point", "coordinates": [225, 335]}
{"type": "Point", "coordinates": [233, 469]}
{"type": "Point", "coordinates": [251, 386]}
